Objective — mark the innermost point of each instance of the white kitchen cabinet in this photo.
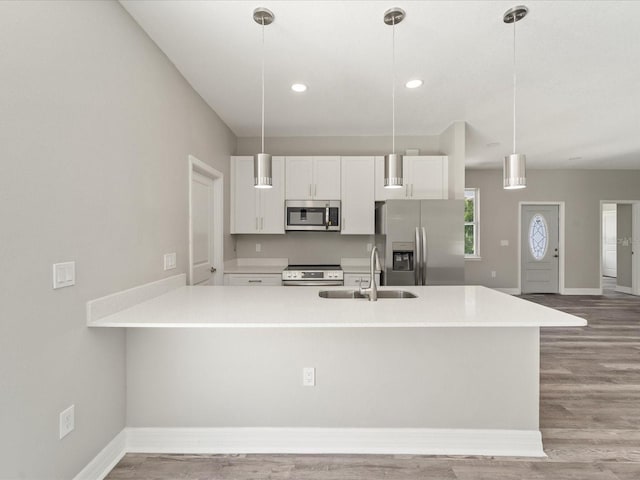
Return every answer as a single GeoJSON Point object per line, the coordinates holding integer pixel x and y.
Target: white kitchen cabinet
{"type": "Point", "coordinates": [312, 178]}
{"type": "Point", "coordinates": [424, 177]}
{"type": "Point", "coordinates": [256, 210]}
{"type": "Point", "coordinates": [358, 195]}
{"type": "Point", "coordinates": [359, 279]}
{"type": "Point", "coordinates": [253, 280]}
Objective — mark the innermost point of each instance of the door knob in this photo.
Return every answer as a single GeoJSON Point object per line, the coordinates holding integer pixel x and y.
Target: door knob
{"type": "Point", "coordinates": [213, 269]}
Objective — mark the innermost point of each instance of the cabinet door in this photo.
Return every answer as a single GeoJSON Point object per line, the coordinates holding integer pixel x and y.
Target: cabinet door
{"type": "Point", "coordinates": [326, 178]}
{"type": "Point", "coordinates": [271, 200]}
{"type": "Point", "coordinates": [428, 177]}
{"type": "Point", "coordinates": [358, 199]}
{"type": "Point", "coordinates": [382, 193]}
{"type": "Point", "coordinates": [299, 178]}
{"type": "Point", "coordinates": [244, 198]}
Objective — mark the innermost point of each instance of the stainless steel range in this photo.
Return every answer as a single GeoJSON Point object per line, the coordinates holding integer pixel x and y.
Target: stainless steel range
{"type": "Point", "coordinates": [312, 276]}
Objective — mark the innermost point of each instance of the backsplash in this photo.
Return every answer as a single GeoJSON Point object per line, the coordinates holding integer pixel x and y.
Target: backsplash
{"type": "Point", "coordinates": [304, 247]}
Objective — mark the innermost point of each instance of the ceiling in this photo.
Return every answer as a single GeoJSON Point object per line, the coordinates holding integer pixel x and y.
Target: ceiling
{"type": "Point", "coordinates": [578, 91]}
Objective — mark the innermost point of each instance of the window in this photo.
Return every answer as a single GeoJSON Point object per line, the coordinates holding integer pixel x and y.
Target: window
{"type": "Point", "coordinates": [471, 223]}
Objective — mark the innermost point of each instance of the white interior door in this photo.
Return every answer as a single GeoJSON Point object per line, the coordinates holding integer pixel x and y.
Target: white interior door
{"type": "Point", "coordinates": [609, 242]}
{"type": "Point", "coordinates": [202, 211]}
{"type": "Point", "coordinates": [635, 250]}
{"type": "Point", "coordinates": [540, 249]}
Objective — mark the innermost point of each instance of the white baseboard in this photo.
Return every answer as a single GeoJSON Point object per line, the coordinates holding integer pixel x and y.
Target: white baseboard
{"type": "Point", "coordinates": [103, 463]}
{"type": "Point", "coordinates": [399, 441]}
{"type": "Point", "coordinates": [582, 291]}
{"type": "Point", "coordinates": [116, 302]}
{"type": "Point", "coordinates": [622, 289]}
{"type": "Point", "coordinates": [510, 291]}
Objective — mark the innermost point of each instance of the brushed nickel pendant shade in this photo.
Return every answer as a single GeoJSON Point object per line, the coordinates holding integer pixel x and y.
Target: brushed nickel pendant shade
{"type": "Point", "coordinates": [393, 161]}
{"type": "Point", "coordinates": [262, 177]}
{"type": "Point", "coordinates": [514, 168]}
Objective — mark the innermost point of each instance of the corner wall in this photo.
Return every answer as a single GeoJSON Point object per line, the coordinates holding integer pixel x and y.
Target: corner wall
{"type": "Point", "coordinates": [581, 190]}
{"type": "Point", "coordinates": [95, 129]}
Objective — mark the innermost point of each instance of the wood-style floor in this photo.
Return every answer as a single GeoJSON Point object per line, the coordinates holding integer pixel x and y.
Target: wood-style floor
{"type": "Point", "coordinates": [590, 418]}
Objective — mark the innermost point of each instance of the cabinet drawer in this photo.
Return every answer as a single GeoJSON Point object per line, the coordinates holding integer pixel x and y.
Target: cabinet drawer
{"type": "Point", "coordinates": [248, 280]}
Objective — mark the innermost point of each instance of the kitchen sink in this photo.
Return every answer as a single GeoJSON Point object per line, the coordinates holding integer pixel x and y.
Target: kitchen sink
{"type": "Point", "coordinates": [357, 294]}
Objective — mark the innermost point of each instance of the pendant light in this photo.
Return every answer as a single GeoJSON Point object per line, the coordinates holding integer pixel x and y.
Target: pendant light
{"type": "Point", "coordinates": [514, 170]}
{"type": "Point", "coordinates": [393, 161]}
{"type": "Point", "coordinates": [262, 161]}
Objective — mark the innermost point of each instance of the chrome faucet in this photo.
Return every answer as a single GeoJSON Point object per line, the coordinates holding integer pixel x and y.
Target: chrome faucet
{"type": "Point", "coordinates": [372, 290]}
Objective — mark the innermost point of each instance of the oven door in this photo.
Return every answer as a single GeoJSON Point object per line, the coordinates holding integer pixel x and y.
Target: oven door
{"type": "Point", "coordinates": [313, 215]}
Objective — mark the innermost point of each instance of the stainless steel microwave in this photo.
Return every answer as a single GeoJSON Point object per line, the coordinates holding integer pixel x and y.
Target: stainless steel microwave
{"type": "Point", "coordinates": [318, 215]}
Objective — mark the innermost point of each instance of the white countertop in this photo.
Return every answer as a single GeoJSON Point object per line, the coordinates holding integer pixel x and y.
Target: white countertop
{"type": "Point", "coordinates": [301, 307]}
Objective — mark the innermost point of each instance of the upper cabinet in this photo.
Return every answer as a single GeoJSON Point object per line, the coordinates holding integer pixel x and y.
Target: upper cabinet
{"type": "Point", "coordinates": [256, 210]}
{"type": "Point", "coordinates": [424, 177]}
{"type": "Point", "coordinates": [358, 212]}
{"type": "Point", "coordinates": [312, 178]}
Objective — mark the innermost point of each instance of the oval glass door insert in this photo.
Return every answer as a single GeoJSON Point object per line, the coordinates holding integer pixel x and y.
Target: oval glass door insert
{"type": "Point", "coordinates": [538, 237]}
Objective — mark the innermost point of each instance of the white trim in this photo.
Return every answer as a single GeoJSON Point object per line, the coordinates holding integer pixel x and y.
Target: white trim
{"type": "Point", "coordinates": [399, 441]}
{"type": "Point", "coordinates": [107, 458]}
{"type": "Point", "coordinates": [509, 291]}
{"type": "Point", "coordinates": [202, 168]}
{"type": "Point", "coordinates": [582, 291]}
{"type": "Point", "coordinates": [622, 289]}
{"type": "Point", "coordinates": [116, 302]}
{"type": "Point", "coordinates": [561, 241]}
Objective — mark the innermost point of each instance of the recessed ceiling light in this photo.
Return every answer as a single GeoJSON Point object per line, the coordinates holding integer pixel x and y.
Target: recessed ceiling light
{"type": "Point", "coordinates": [414, 83]}
{"type": "Point", "coordinates": [299, 87]}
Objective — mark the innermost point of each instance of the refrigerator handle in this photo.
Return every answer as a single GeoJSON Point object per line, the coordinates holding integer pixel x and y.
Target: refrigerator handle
{"type": "Point", "coordinates": [417, 261]}
{"type": "Point", "coordinates": [424, 256]}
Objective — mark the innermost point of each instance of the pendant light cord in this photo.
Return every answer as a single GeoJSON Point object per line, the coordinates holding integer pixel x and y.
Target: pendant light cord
{"type": "Point", "coordinates": [514, 82]}
{"type": "Point", "coordinates": [393, 84]}
{"type": "Point", "coordinates": [262, 151]}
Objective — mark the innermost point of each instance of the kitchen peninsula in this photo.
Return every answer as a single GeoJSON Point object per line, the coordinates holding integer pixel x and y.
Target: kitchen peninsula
{"type": "Point", "coordinates": [219, 370]}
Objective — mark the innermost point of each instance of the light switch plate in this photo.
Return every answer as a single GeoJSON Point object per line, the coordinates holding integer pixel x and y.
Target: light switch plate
{"type": "Point", "coordinates": [504, 243]}
{"type": "Point", "coordinates": [169, 261]}
{"type": "Point", "coordinates": [64, 274]}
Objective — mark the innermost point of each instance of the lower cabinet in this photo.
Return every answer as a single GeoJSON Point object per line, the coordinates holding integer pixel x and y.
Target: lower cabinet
{"type": "Point", "coordinates": [251, 280]}
{"type": "Point", "coordinates": [359, 279]}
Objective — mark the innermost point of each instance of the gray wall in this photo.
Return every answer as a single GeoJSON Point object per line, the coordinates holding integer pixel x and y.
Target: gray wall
{"type": "Point", "coordinates": [95, 129]}
{"type": "Point", "coordinates": [581, 190]}
{"type": "Point", "coordinates": [365, 377]}
{"type": "Point", "coordinates": [428, 145]}
{"type": "Point", "coordinates": [305, 247]}
{"type": "Point", "coordinates": [623, 253]}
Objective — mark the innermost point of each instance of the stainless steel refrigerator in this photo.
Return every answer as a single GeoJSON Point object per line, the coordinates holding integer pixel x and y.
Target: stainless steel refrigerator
{"type": "Point", "coordinates": [422, 241]}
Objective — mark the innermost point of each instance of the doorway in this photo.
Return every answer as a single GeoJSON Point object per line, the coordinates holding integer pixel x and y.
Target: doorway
{"type": "Point", "coordinates": [205, 224]}
{"type": "Point", "coordinates": [620, 235]}
{"type": "Point", "coordinates": [609, 247]}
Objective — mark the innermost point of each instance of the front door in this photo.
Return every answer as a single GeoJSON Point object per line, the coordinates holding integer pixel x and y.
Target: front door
{"type": "Point", "coordinates": [202, 234]}
{"type": "Point", "coordinates": [540, 249]}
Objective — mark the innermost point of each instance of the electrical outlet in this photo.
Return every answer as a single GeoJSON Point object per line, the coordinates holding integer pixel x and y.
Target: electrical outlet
{"type": "Point", "coordinates": [258, 247]}
{"type": "Point", "coordinates": [169, 261]}
{"type": "Point", "coordinates": [67, 421]}
{"type": "Point", "coordinates": [369, 247]}
{"type": "Point", "coordinates": [504, 243]}
{"type": "Point", "coordinates": [309, 377]}
{"type": "Point", "coordinates": [493, 274]}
